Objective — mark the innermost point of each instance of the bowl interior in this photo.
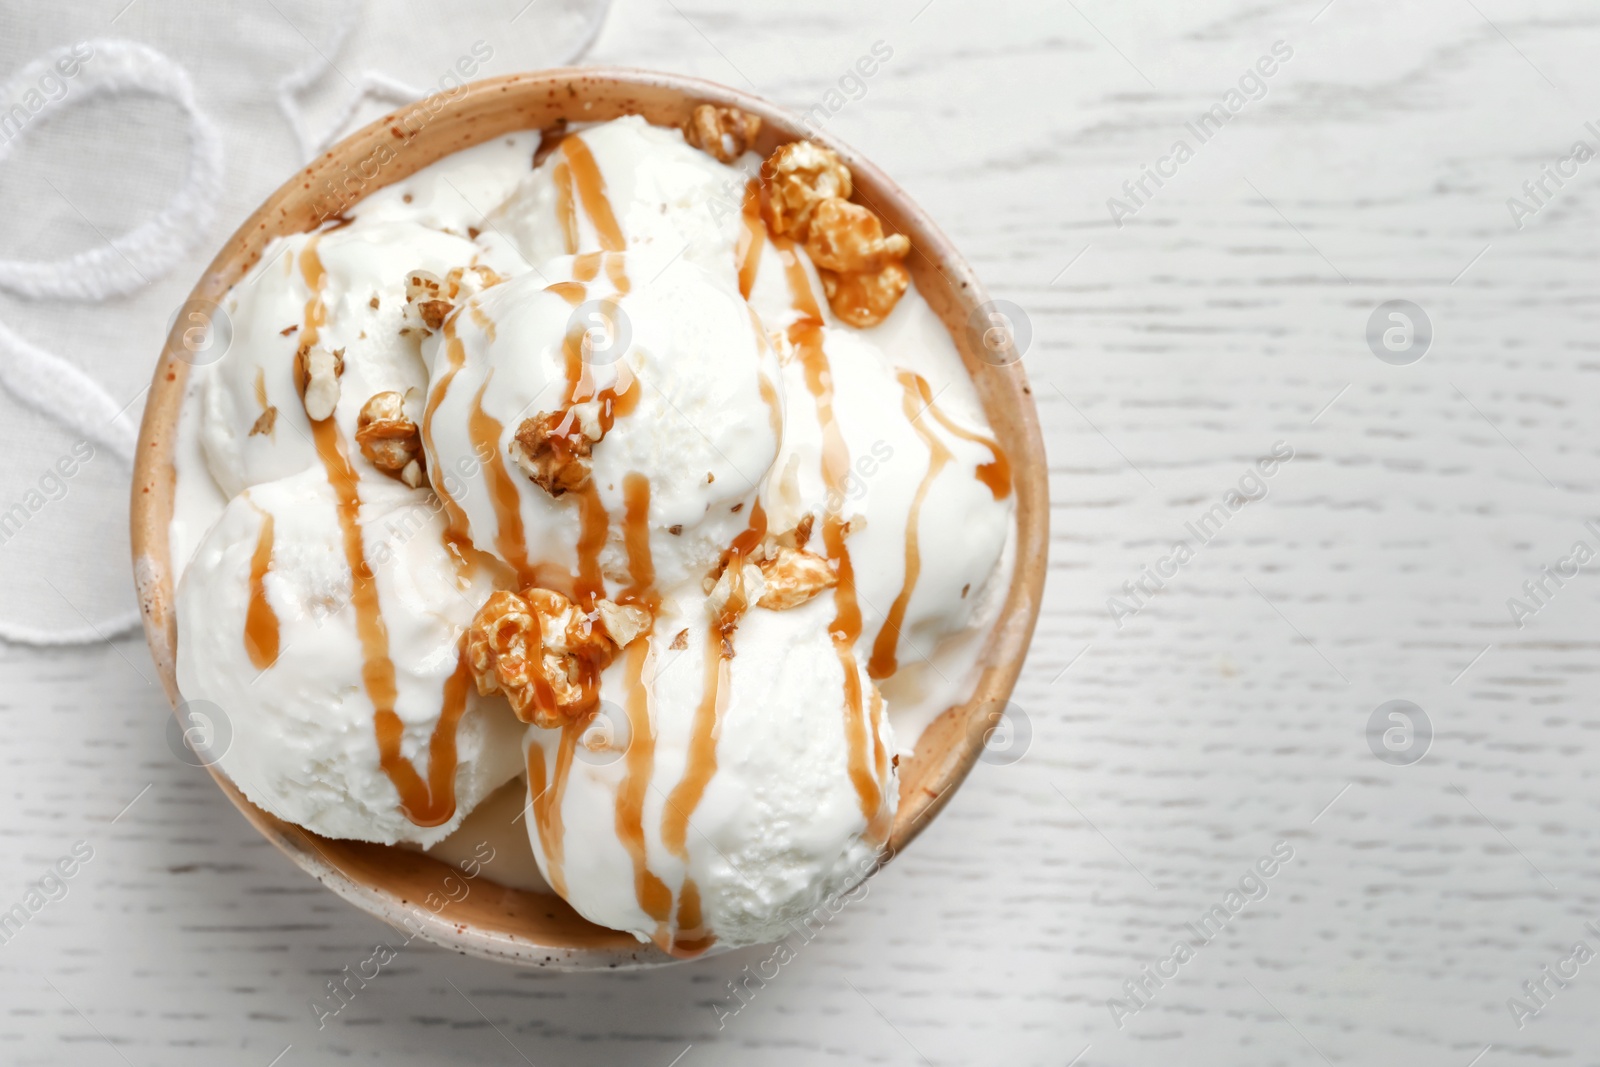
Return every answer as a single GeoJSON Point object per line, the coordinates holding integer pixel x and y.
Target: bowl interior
{"type": "Point", "coordinates": [410, 889]}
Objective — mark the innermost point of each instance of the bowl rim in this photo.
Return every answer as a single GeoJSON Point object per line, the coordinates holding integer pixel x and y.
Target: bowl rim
{"type": "Point", "coordinates": [952, 741]}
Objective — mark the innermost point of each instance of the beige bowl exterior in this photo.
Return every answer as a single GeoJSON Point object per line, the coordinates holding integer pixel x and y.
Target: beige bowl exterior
{"type": "Point", "coordinates": [407, 888]}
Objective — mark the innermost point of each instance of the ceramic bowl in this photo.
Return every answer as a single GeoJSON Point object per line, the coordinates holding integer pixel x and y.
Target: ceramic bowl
{"type": "Point", "coordinates": [404, 887]}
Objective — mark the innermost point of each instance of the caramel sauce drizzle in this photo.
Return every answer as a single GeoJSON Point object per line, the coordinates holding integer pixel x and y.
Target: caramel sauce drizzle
{"type": "Point", "coordinates": [509, 536]}
{"type": "Point", "coordinates": [573, 293]}
{"type": "Point", "coordinates": [466, 556]}
{"type": "Point", "coordinates": [260, 621]}
{"type": "Point", "coordinates": [565, 214]}
{"type": "Point", "coordinates": [996, 474]}
{"type": "Point", "coordinates": [591, 187]}
{"type": "Point", "coordinates": [691, 922]}
{"type": "Point", "coordinates": [636, 536]}
{"type": "Point", "coordinates": [692, 936]}
{"type": "Point", "coordinates": [481, 319]}
{"type": "Point", "coordinates": [655, 899]}
{"type": "Point", "coordinates": [701, 764]}
{"type": "Point", "coordinates": [752, 236]}
{"type": "Point", "coordinates": [593, 526]}
{"type": "Point", "coordinates": [617, 271]}
{"type": "Point", "coordinates": [615, 401]}
{"type": "Point", "coordinates": [455, 355]}
{"type": "Point", "coordinates": [577, 171]}
{"type": "Point", "coordinates": [428, 803]}
{"type": "Point", "coordinates": [884, 662]}
{"type": "Point", "coordinates": [769, 394]}
{"type": "Point", "coordinates": [547, 801]}
{"type": "Point", "coordinates": [845, 629]}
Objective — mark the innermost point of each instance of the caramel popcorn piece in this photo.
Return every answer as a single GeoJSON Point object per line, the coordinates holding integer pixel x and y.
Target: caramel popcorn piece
{"type": "Point", "coordinates": [802, 530]}
{"type": "Point", "coordinates": [792, 576]}
{"type": "Point", "coordinates": [553, 449]}
{"type": "Point", "coordinates": [430, 299]}
{"type": "Point", "coordinates": [848, 238]}
{"type": "Point", "coordinates": [320, 370]}
{"type": "Point", "coordinates": [864, 300]}
{"type": "Point", "coordinates": [808, 197]}
{"type": "Point", "coordinates": [389, 439]}
{"type": "Point", "coordinates": [545, 654]}
{"type": "Point", "coordinates": [724, 133]}
{"type": "Point", "coordinates": [622, 622]}
{"type": "Point", "coordinates": [427, 303]}
{"type": "Point", "coordinates": [730, 591]}
{"type": "Point", "coordinates": [423, 289]}
{"type": "Point", "coordinates": [797, 177]}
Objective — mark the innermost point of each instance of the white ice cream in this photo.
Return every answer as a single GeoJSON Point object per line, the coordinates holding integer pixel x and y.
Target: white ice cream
{"type": "Point", "coordinates": [669, 200]}
{"type": "Point", "coordinates": [362, 266]}
{"type": "Point", "coordinates": [726, 786]}
{"type": "Point", "coordinates": [702, 389]}
{"type": "Point", "coordinates": [304, 745]}
{"type": "Point", "coordinates": [780, 824]}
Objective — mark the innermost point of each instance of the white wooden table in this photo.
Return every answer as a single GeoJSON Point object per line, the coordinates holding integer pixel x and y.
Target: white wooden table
{"type": "Point", "coordinates": [1169, 753]}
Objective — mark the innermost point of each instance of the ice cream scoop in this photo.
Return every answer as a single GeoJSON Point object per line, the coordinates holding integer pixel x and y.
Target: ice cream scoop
{"type": "Point", "coordinates": [333, 652]}
{"type": "Point", "coordinates": [626, 184]}
{"type": "Point", "coordinates": [255, 426]}
{"type": "Point", "coordinates": [574, 412]}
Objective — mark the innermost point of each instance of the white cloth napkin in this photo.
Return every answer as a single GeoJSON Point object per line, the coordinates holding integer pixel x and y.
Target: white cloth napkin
{"type": "Point", "coordinates": [132, 142]}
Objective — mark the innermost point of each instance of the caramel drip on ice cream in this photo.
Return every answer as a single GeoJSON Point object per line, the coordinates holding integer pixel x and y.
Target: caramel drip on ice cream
{"type": "Point", "coordinates": [691, 922]}
{"type": "Point", "coordinates": [701, 764]}
{"type": "Point", "coordinates": [586, 268]}
{"type": "Point", "coordinates": [260, 621]}
{"type": "Point", "coordinates": [547, 801]}
{"type": "Point", "coordinates": [573, 293]}
{"type": "Point", "coordinates": [845, 629]}
{"type": "Point", "coordinates": [565, 213]}
{"type": "Point", "coordinates": [591, 186]}
{"type": "Point", "coordinates": [431, 802]}
{"type": "Point", "coordinates": [420, 803]}
{"type": "Point", "coordinates": [509, 537]}
{"type": "Point", "coordinates": [636, 536]}
{"type": "Point", "coordinates": [996, 474]}
{"type": "Point", "coordinates": [615, 401]}
{"type": "Point", "coordinates": [455, 355]}
{"type": "Point", "coordinates": [800, 294]}
{"type": "Point", "coordinates": [655, 899]}
{"type": "Point", "coordinates": [481, 319]}
{"type": "Point", "coordinates": [617, 271]}
{"type": "Point", "coordinates": [752, 236]}
{"type": "Point", "coordinates": [593, 526]}
{"type": "Point", "coordinates": [884, 662]}
{"type": "Point", "coordinates": [769, 394]}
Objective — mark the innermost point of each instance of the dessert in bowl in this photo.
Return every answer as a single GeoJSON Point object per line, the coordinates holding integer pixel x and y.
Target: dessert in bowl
{"type": "Point", "coordinates": [606, 492]}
